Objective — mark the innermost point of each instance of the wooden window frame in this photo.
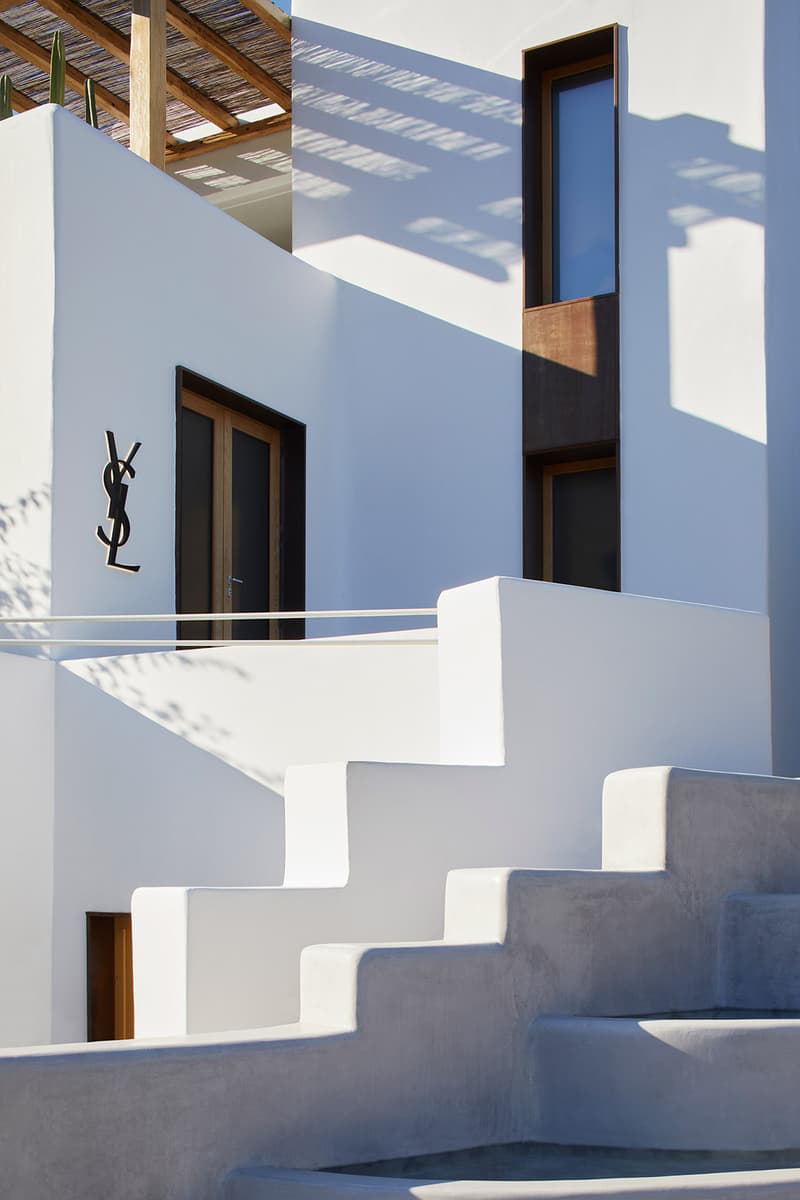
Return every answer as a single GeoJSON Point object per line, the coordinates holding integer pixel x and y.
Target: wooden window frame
{"type": "Point", "coordinates": [225, 422]}
{"type": "Point", "coordinates": [549, 471]}
{"type": "Point", "coordinates": [593, 50]}
{"type": "Point", "coordinates": [567, 71]}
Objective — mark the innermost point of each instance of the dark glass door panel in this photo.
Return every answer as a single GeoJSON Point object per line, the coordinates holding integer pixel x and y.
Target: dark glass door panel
{"type": "Point", "coordinates": [197, 528]}
{"type": "Point", "coordinates": [584, 531]}
{"type": "Point", "coordinates": [250, 532]}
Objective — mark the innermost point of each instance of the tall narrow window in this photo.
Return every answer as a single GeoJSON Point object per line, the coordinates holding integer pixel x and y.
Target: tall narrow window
{"type": "Point", "coordinates": [571, 318]}
{"type": "Point", "coordinates": [570, 186]}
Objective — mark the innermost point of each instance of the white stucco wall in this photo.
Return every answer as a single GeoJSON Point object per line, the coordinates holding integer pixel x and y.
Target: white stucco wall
{"type": "Point", "coordinates": [26, 377]}
{"type": "Point", "coordinates": [261, 708]}
{"type": "Point", "coordinates": [26, 849]}
{"type": "Point", "coordinates": [544, 690]}
{"type": "Point", "coordinates": [135, 802]}
{"type": "Point", "coordinates": [169, 771]}
{"type": "Point", "coordinates": [411, 397]}
{"type": "Point", "coordinates": [413, 406]}
{"type": "Point", "coordinates": [782, 20]}
{"type": "Point", "coordinates": [409, 123]}
{"type": "Point", "coordinates": [395, 402]}
{"type": "Point", "coordinates": [252, 181]}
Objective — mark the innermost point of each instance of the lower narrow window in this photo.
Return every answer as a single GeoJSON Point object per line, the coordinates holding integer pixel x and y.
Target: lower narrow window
{"type": "Point", "coordinates": [580, 523]}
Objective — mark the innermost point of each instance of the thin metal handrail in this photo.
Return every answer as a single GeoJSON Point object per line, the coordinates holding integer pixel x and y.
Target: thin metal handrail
{"type": "Point", "coordinates": [211, 644]}
{"type": "Point", "coordinates": [207, 643]}
{"type": "Point", "coordinates": [312, 615]}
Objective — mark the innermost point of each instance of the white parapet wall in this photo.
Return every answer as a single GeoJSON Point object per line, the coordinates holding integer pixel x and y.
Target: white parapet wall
{"type": "Point", "coordinates": [261, 708]}
{"type": "Point", "coordinates": [170, 767]}
{"type": "Point", "coordinates": [544, 690]}
{"type": "Point", "coordinates": [167, 769]}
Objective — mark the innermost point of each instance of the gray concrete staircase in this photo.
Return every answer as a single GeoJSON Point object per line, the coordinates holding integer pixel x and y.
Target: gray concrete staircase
{"type": "Point", "coordinates": [690, 1084]}
{"type": "Point", "coordinates": [761, 952]}
{"type": "Point", "coordinates": [418, 1048]}
{"type": "Point", "coordinates": [704, 1080]}
{"type": "Point", "coordinates": [264, 1183]}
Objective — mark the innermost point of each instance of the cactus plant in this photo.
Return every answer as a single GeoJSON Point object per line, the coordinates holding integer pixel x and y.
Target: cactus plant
{"type": "Point", "coordinates": [58, 69]}
{"type": "Point", "coordinates": [5, 97]}
{"type": "Point", "coordinates": [58, 82]}
{"type": "Point", "coordinates": [91, 104]}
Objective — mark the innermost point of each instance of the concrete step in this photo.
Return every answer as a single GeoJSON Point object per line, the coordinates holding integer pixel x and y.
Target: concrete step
{"type": "Point", "coordinates": [265, 1183]}
{"type": "Point", "coordinates": [666, 1083]}
{"type": "Point", "coordinates": [760, 951]}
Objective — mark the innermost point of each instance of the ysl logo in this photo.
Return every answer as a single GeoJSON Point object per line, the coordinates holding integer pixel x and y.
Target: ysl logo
{"type": "Point", "coordinates": [117, 490]}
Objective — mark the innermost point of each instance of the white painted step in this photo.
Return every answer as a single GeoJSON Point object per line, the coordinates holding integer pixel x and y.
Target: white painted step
{"type": "Point", "coordinates": [691, 1084]}
{"type": "Point", "coordinates": [264, 1183]}
{"type": "Point", "coordinates": [761, 951]}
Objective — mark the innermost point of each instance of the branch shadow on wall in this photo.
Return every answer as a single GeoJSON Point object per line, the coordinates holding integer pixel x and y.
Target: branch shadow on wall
{"type": "Point", "coordinates": [24, 583]}
{"type": "Point", "coordinates": [171, 783]}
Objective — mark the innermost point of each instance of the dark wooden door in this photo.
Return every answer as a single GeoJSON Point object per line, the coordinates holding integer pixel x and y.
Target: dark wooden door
{"type": "Point", "coordinates": [229, 519]}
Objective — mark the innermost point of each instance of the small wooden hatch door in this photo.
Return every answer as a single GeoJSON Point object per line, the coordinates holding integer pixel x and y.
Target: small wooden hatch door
{"type": "Point", "coordinates": [109, 976]}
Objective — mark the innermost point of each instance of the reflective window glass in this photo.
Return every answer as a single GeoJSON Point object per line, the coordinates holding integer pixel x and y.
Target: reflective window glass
{"type": "Point", "coordinates": [584, 533]}
{"type": "Point", "coordinates": [584, 254]}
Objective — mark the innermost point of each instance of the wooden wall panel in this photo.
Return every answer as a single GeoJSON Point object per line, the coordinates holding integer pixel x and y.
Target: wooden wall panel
{"type": "Point", "coordinates": [571, 374]}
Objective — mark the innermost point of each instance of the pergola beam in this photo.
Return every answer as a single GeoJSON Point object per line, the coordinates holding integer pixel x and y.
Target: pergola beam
{"type": "Point", "coordinates": [21, 101]}
{"type": "Point", "coordinates": [272, 16]}
{"type": "Point", "coordinates": [208, 39]}
{"type": "Point", "coordinates": [117, 45]}
{"type": "Point", "coordinates": [148, 90]}
{"type": "Point", "coordinates": [25, 48]}
{"type": "Point", "coordinates": [216, 141]}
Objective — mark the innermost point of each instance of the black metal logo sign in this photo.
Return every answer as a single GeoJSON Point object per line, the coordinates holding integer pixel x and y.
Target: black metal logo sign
{"type": "Point", "coordinates": [117, 491]}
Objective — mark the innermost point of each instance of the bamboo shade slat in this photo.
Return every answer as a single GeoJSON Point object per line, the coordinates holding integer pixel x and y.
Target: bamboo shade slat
{"type": "Point", "coordinates": [246, 34]}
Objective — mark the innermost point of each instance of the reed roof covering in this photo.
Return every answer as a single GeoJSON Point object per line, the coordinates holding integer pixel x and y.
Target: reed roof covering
{"type": "Point", "coordinates": [254, 71]}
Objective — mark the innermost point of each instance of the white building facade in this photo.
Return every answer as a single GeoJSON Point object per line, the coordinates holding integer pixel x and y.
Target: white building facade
{"type": "Point", "coordinates": [401, 402]}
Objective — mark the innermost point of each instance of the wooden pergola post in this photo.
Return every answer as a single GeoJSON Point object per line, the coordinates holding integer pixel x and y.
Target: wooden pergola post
{"type": "Point", "coordinates": [148, 76]}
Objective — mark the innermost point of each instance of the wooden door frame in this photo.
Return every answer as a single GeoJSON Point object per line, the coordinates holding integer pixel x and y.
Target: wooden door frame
{"type": "Point", "coordinates": [208, 409]}
{"type": "Point", "coordinates": [226, 422]}
{"type": "Point", "coordinates": [292, 550]}
{"type": "Point", "coordinates": [292, 583]}
{"type": "Point", "coordinates": [237, 422]}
